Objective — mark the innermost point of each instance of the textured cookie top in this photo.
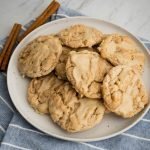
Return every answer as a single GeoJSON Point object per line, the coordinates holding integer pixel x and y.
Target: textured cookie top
{"type": "Point", "coordinates": [80, 36]}
{"type": "Point", "coordinates": [40, 56]}
{"type": "Point", "coordinates": [124, 92]}
{"type": "Point", "coordinates": [85, 70]}
{"type": "Point", "coordinates": [60, 68]}
{"type": "Point", "coordinates": [121, 50]}
{"type": "Point", "coordinates": [39, 91]}
{"type": "Point", "coordinates": [72, 113]}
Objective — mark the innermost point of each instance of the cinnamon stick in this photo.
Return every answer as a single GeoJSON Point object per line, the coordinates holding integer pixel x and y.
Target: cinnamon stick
{"type": "Point", "coordinates": [7, 43]}
{"type": "Point", "coordinates": [6, 58]}
{"type": "Point", "coordinates": [47, 9]}
{"type": "Point", "coordinates": [52, 8]}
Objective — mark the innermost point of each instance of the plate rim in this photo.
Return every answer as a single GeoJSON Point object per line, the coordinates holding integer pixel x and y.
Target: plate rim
{"type": "Point", "coordinates": [63, 137]}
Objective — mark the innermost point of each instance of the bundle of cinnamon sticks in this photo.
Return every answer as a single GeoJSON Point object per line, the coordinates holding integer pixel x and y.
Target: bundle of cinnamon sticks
{"type": "Point", "coordinates": [14, 37]}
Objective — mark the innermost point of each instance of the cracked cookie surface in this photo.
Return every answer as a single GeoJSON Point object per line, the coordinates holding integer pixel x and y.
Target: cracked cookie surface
{"type": "Point", "coordinates": [121, 50]}
{"type": "Point", "coordinates": [60, 68]}
{"type": "Point", "coordinates": [39, 91]}
{"type": "Point", "coordinates": [72, 113]}
{"type": "Point", "coordinates": [40, 56]}
{"type": "Point", "coordinates": [80, 36]}
{"type": "Point", "coordinates": [124, 92]}
{"type": "Point", "coordinates": [86, 70]}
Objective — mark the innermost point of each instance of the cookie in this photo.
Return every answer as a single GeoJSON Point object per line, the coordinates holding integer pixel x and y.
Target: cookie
{"type": "Point", "coordinates": [38, 92]}
{"type": "Point", "coordinates": [121, 50]}
{"type": "Point", "coordinates": [124, 92]}
{"type": "Point", "coordinates": [72, 113]}
{"type": "Point", "coordinates": [85, 70]}
{"type": "Point", "coordinates": [40, 56]}
{"type": "Point", "coordinates": [60, 68]}
{"type": "Point", "coordinates": [80, 36]}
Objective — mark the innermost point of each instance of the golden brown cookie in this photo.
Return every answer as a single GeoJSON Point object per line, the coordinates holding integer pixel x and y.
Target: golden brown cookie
{"type": "Point", "coordinates": [85, 70]}
{"type": "Point", "coordinates": [80, 36]}
{"type": "Point", "coordinates": [121, 50]}
{"type": "Point", "coordinates": [40, 56]}
{"type": "Point", "coordinates": [39, 91]}
{"type": "Point", "coordinates": [72, 113]}
{"type": "Point", "coordinates": [124, 92]}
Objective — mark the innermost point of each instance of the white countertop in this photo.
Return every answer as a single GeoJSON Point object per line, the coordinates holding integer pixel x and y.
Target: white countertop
{"type": "Point", "coordinates": [134, 15]}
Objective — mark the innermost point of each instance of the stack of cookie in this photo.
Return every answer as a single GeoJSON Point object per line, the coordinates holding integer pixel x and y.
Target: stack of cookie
{"type": "Point", "coordinates": [80, 73]}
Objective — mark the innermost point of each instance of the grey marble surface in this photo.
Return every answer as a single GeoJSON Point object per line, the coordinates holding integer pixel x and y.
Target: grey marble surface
{"type": "Point", "coordinates": [134, 15]}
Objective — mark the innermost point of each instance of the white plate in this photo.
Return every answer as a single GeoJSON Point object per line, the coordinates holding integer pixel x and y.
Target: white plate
{"type": "Point", "coordinates": [110, 126]}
